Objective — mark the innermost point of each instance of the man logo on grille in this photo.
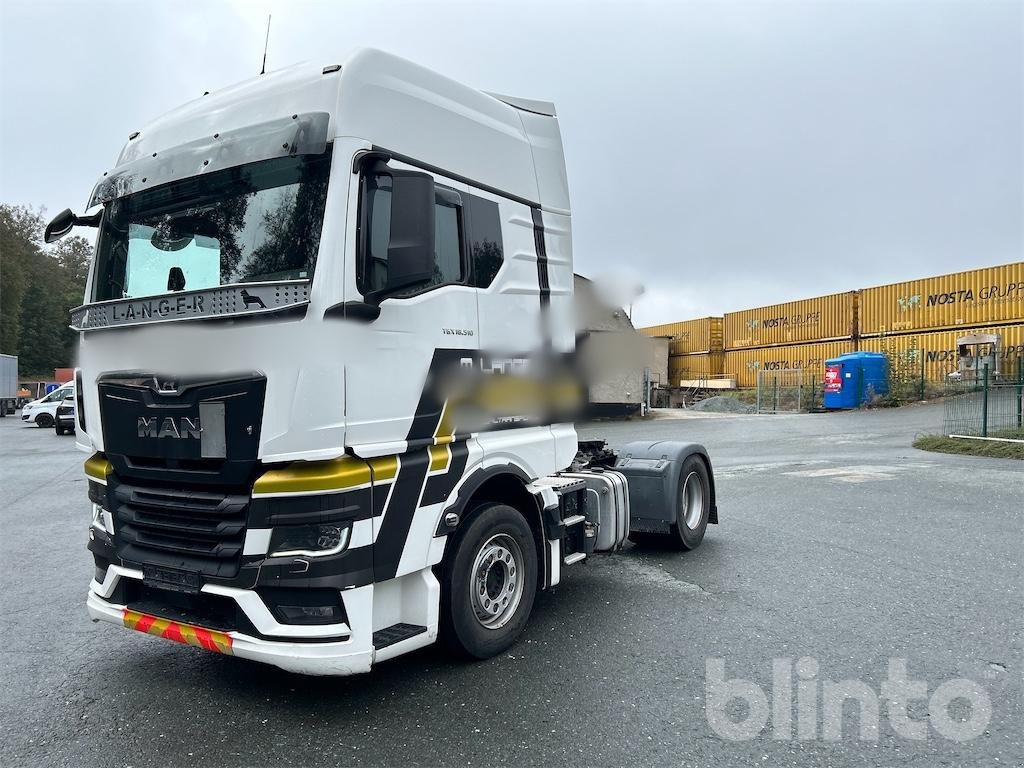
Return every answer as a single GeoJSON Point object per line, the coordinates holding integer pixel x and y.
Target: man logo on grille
{"type": "Point", "coordinates": [182, 428]}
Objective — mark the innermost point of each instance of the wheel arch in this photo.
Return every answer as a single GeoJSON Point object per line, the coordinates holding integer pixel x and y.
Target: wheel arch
{"type": "Point", "coordinates": [507, 484]}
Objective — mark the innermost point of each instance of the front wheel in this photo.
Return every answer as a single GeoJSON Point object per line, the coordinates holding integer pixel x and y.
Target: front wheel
{"type": "Point", "coordinates": [44, 420]}
{"type": "Point", "coordinates": [489, 582]}
{"type": "Point", "coordinates": [58, 428]}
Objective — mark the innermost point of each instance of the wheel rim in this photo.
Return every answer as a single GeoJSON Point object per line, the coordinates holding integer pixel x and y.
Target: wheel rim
{"type": "Point", "coordinates": [496, 581]}
{"type": "Point", "coordinates": [693, 500]}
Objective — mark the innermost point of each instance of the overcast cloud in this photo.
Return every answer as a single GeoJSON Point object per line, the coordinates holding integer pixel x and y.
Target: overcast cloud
{"type": "Point", "coordinates": [725, 154]}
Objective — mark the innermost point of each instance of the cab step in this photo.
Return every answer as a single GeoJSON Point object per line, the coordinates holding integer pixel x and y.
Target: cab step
{"type": "Point", "coordinates": [382, 638]}
{"type": "Point", "coordinates": [575, 557]}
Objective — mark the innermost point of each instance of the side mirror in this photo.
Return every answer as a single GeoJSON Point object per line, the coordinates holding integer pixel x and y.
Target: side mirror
{"type": "Point", "coordinates": [64, 221]}
{"type": "Point", "coordinates": [410, 253]}
{"type": "Point", "coordinates": [411, 248]}
{"type": "Point", "coordinates": [61, 224]}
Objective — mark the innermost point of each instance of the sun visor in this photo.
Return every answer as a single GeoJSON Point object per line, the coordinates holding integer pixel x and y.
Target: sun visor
{"type": "Point", "coordinates": [301, 134]}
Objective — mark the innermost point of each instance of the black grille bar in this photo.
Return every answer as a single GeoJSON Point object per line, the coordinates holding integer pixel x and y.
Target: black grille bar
{"type": "Point", "coordinates": [192, 530]}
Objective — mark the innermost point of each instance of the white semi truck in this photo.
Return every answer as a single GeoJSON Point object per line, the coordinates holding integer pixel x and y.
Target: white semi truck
{"type": "Point", "coordinates": [323, 374]}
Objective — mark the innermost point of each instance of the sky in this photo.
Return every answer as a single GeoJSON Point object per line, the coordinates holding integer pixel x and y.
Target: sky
{"type": "Point", "coordinates": [724, 155]}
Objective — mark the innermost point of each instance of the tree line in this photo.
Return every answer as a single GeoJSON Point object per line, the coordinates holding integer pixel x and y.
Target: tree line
{"type": "Point", "coordinates": [39, 285]}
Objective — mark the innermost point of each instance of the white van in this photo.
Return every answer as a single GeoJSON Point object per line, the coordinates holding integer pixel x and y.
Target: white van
{"type": "Point", "coordinates": [43, 412]}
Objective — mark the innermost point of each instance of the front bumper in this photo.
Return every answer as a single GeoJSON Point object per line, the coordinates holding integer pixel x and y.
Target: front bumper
{"type": "Point", "coordinates": [304, 655]}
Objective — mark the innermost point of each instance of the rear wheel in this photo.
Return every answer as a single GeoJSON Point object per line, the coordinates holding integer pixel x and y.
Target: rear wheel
{"type": "Point", "coordinates": [489, 582]}
{"type": "Point", "coordinates": [694, 504]}
{"type": "Point", "coordinates": [44, 420]}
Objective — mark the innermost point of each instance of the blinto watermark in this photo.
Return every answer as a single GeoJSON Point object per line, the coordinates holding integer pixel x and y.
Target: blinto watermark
{"type": "Point", "coordinates": [819, 704]}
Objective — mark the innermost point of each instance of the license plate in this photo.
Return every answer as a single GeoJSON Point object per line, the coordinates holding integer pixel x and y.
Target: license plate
{"type": "Point", "coordinates": [170, 578]}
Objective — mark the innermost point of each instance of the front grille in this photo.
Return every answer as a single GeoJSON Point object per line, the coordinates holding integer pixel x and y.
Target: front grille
{"type": "Point", "coordinates": [193, 530]}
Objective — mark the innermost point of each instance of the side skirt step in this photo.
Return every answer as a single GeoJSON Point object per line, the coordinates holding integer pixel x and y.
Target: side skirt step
{"type": "Point", "coordinates": [382, 638]}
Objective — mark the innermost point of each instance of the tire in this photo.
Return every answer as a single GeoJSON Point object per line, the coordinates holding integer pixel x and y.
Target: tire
{"type": "Point", "coordinates": [44, 420]}
{"type": "Point", "coordinates": [481, 617]}
{"type": "Point", "coordinates": [58, 428]}
{"type": "Point", "coordinates": [693, 504]}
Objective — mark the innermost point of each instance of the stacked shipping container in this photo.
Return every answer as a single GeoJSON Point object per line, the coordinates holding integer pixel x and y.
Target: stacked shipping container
{"type": "Point", "coordinates": [935, 352]}
{"type": "Point", "coordinates": [914, 322]}
{"type": "Point", "coordinates": [990, 296]}
{"type": "Point", "coordinates": [824, 318]}
{"type": "Point", "coordinates": [745, 363]}
{"type": "Point", "coordinates": [695, 348]}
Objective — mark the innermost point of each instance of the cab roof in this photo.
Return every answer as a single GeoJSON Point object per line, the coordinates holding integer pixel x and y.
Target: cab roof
{"type": "Point", "coordinates": [510, 144]}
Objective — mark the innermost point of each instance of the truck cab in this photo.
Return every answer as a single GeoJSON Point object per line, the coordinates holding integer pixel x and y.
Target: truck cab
{"type": "Point", "coordinates": [325, 370]}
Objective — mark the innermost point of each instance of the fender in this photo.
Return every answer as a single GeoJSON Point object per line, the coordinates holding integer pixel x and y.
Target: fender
{"type": "Point", "coordinates": [668, 450]}
{"type": "Point", "coordinates": [474, 482]}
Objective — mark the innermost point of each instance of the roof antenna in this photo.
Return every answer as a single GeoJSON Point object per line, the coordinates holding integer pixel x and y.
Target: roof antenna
{"type": "Point", "coordinates": [263, 69]}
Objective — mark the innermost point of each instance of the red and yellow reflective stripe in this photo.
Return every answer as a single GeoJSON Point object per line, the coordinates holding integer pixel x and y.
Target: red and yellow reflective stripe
{"type": "Point", "coordinates": [210, 639]}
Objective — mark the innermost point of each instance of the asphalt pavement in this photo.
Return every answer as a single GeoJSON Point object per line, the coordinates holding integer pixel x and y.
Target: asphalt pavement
{"type": "Point", "coordinates": [841, 550]}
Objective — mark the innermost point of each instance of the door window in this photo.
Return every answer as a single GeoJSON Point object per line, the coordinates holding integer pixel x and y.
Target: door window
{"type": "Point", "coordinates": [449, 262]}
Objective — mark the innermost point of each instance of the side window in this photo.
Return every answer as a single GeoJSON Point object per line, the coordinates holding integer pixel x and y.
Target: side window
{"type": "Point", "coordinates": [484, 236]}
{"type": "Point", "coordinates": [447, 237]}
{"type": "Point", "coordinates": [449, 264]}
{"type": "Point", "coordinates": [378, 217]}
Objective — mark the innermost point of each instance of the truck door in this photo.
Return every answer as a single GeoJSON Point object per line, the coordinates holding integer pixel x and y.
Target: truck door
{"type": "Point", "coordinates": [395, 358]}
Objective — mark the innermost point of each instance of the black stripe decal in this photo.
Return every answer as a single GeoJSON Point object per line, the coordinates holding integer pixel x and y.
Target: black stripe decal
{"type": "Point", "coordinates": [313, 508]}
{"type": "Point", "coordinates": [412, 469]}
{"type": "Point", "coordinates": [394, 530]}
{"type": "Point", "coordinates": [439, 487]}
{"type": "Point", "coordinates": [542, 258]}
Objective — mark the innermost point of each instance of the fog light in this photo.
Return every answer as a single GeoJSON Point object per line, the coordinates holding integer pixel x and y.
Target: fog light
{"type": "Point", "coordinates": [310, 614]}
{"type": "Point", "coordinates": [309, 540]}
{"type": "Point", "coordinates": [312, 605]}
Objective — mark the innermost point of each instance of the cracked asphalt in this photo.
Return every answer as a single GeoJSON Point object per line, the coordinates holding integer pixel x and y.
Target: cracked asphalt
{"type": "Point", "coordinates": [839, 545]}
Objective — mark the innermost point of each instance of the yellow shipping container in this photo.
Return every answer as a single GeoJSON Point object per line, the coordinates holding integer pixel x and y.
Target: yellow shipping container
{"type": "Point", "coordinates": [745, 363]}
{"type": "Point", "coordinates": [989, 296]}
{"type": "Point", "coordinates": [703, 334]}
{"type": "Point", "coordinates": [937, 350]}
{"type": "Point", "coordinates": [822, 318]}
{"type": "Point", "coordinates": [692, 367]}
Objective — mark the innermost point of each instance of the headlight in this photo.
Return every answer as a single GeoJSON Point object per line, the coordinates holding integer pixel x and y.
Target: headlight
{"type": "Point", "coordinates": [309, 540]}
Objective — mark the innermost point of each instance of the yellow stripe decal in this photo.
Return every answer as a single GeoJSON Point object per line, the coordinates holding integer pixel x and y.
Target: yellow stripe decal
{"type": "Point", "coordinates": [97, 466]}
{"type": "Point", "coordinates": [440, 455]}
{"type": "Point", "coordinates": [334, 475]}
{"type": "Point", "coordinates": [445, 431]}
{"type": "Point", "coordinates": [384, 468]}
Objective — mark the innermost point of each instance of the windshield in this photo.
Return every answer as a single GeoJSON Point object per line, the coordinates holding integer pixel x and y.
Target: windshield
{"type": "Point", "coordinates": [57, 394]}
{"type": "Point", "coordinates": [252, 223]}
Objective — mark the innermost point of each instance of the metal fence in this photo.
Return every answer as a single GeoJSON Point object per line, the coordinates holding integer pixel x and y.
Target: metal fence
{"type": "Point", "coordinates": [985, 408]}
{"type": "Point", "coordinates": [792, 390]}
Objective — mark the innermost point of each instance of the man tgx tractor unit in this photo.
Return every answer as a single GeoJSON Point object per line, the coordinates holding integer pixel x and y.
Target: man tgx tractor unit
{"type": "Point", "coordinates": [319, 374]}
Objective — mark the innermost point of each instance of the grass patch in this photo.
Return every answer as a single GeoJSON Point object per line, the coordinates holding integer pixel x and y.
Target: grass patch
{"type": "Point", "coordinates": [986, 448]}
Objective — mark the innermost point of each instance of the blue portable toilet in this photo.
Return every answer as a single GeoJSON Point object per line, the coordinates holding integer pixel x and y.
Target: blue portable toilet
{"type": "Point", "coordinates": [852, 378]}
